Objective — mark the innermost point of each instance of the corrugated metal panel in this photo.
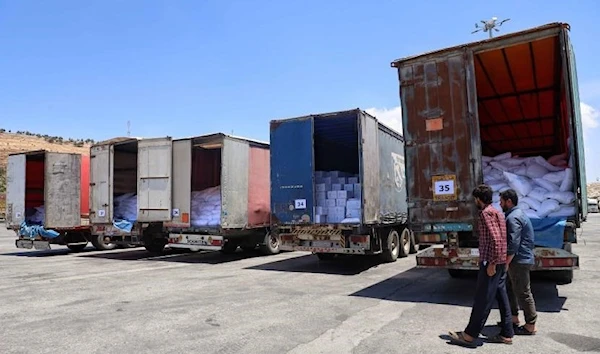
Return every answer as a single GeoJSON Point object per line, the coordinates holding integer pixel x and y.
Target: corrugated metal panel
{"type": "Point", "coordinates": [392, 175]}
{"type": "Point", "coordinates": [101, 208]}
{"type": "Point", "coordinates": [15, 190]}
{"type": "Point", "coordinates": [154, 179]}
{"type": "Point", "coordinates": [62, 187]}
{"type": "Point", "coordinates": [439, 138]}
{"type": "Point", "coordinates": [292, 169]}
{"type": "Point", "coordinates": [234, 184]}
{"type": "Point", "coordinates": [370, 178]}
{"type": "Point", "coordinates": [182, 181]}
{"type": "Point", "coordinates": [84, 183]}
{"type": "Point", "coordinates": [259, 187]}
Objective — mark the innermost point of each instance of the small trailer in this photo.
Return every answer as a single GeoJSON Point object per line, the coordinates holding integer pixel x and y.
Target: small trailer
{"type": "Point", "coordinates": [130, 191]}
{"type": "Point", "coordinates": [47, 200]}
{"type": "Point", "coordinates": [338, 186]}
{"type": "Point", "coordinates": [220, 195]}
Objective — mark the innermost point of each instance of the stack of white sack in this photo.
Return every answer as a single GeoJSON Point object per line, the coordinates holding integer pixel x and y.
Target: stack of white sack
{"type": "Point", "coordinates": [206, 207]}
{"type": "Point", "coordinates": [544, 187]}
{"type": "Point", "coordinates": [125, 207]}
{"type": "Point", "coordinates": [37, 217]}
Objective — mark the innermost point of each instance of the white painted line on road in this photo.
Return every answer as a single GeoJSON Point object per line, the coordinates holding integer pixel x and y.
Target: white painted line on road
{"type": "Point", "coordinates": [348, 335]}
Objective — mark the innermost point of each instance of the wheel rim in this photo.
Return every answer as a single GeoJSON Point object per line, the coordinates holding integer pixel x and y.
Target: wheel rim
{"type": "Point", "coordinates": [395, 245]}
{"type": "Point", "coordinates": [273, 241]}
{"type": "Point", "coordinates": [103, 241]}
{"type": "Point", "coordinates": [406, 240]}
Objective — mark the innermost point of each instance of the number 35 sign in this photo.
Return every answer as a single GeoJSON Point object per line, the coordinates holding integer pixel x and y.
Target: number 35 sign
{"type": "Point", "coordinates": [444, 187]}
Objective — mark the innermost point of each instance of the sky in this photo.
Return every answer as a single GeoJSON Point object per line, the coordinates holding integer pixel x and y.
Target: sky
{"type": "Point", "coordinates": [83, 69]}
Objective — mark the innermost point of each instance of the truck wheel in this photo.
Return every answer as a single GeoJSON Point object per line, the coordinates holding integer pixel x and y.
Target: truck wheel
{"type": "Point", "coordinates": [325, 256]}
{"type": "Point", "coordinates": [99, 243]}
{"type": "Point", "coordinates": [229, 247]}
{"type": "Point", "coordinates": [563, 277]}
{"type": "Point", "coordinates": [155, 246]}
{"type": "Point", "coordinates": [413, 243]}
{"type": "Point", "coordinates": [405, 243]}
{"type": "Point", "coordinates": [270, 244]}
{"type": "Point", "coordinates": [390, 253]}
{"type": "Point", "coordinates": [77, 247]}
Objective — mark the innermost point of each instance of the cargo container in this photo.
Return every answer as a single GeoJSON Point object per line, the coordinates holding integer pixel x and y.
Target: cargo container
{"type": "Point", "coordinates": [515, 93]}
{"type": "Point", "coordinates": [338, 186]}
{"type": "Point", "coordinates": [221, 195]}
{"type": "Point", "coordinates": [130, 190]}
{"type": "Point", "coordinates": [47, 199]}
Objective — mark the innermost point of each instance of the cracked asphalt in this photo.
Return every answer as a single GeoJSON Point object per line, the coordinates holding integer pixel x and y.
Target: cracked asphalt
{"type": "Point", "coordinates": [124, 301]}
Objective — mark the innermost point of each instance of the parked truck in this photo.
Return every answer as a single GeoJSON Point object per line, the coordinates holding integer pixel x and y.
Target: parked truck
{"type": "Point", "coordinates": [130, 191]}
{"type": "Point", "coordinates": [515, 93]}
{"type": "Point", "coordinates": [221, 196]}
{"type": "Point", "coordinates": [338, 186]}
{"type": "Point", "coordinates": [47, 200]}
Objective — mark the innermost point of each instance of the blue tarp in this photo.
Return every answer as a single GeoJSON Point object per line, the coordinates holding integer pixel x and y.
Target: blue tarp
{"type": "Point", "coordinates": [549, 232]}
{"type": "Point", "coordinates": [123, 225]}
{"type": "Point", "coordinates": [32, 231]}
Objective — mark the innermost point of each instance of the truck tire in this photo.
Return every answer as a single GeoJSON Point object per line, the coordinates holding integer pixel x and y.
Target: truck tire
{"type": "Point", "coordinates": [155, 246]}
{"type": "Point", "coordinates": [325, 256]}
{"type": "Point", "coordinates": [77, 247]}
{"type": "Point", "coordinates": [270, 244]}
{"type": "Point", "coordinates": [563, 277]}
{"type": "Point", "coordinates": [405, 243]}
{"type": "Point", "coordinates": [99, 243]}
{"type": "Point", "coordinates": [229, 247]}
{"type": "Point", "coordinates": [413, 243]}
{"type": "Point", "coordinates": [392, 249]}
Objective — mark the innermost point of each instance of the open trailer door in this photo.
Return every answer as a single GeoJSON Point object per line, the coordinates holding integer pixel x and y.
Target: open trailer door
{"type": "Point", "coordinates": [154, 179]}
{"type": "Point", "coordinates": [439, 112]}
{"type": "Point", "coordinates": [62, 185]}
{"type": "Point", "coordinates": [369, 162]}
{"type": "Point", "coordinates": [101, 186]}
{"type": "Point", "coordinates": [15, 190]}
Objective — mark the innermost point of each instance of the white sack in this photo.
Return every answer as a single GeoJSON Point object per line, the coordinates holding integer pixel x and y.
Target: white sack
{"type": "Point", "coordinates": [497, 206]}
{"type": "Point", "coordinates": [514, 162]}
{"type": "Point", "coordinates": [541, 161]}
{"type": "Point", "coordinates": [535, 170]}
{"type": "Point", "coordinates": [562, 197]}
{"type": "Point", "coordinates": [520, 170]}
{"type": "Point", "coordinates": [548, 207]}
{"type": "Point", "coordinates": [539, 194]}
{"type": "Point", "coordinates": [496, 198]}
{"type": "Point", "coordinates": [531, 214]}
{"type": "Point", "coordinates": [520, 184]}
{"type": "Point", "coordinates": [549, 186]}
{"type": "Point", "coordinates": [567, 183]}
{"type": "Point", "coordinates": [497, 186]}
{"type": "Point", "coordinates": [499, 166]}
{"type": "Point", "coordinates": [555, 177]}
{"type": "Point", "coordinates": [125, 207]}
{"type": "Point", "coordinates": [487, 169]}
{"type": "Point", "coordinates": [486, 159]}
{"type": "Point", "coordinates": [524, 206]}
{"type": "Point", "coordinates": [504, 156]}
{"type": "Point", "coordinates": [534, 204]}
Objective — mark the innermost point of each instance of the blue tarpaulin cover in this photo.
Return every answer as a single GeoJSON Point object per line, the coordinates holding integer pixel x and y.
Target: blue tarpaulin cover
{"type": "Point", "coordinates": [549, 232]}
{"type": "Point", "coordinates": [123, 225]}
{"type": "Point", "coordinates": [32, 231]}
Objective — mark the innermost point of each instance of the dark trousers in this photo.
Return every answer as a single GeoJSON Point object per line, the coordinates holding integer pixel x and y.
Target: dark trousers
{"type": "Point", "coordinates": [489, 289]}
{"type": "Point", "coordinates": [519, 292]}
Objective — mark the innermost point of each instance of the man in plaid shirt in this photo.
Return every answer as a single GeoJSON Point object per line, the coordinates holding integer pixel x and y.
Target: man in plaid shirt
{"type": "Point", "coordinates": [491, 279]}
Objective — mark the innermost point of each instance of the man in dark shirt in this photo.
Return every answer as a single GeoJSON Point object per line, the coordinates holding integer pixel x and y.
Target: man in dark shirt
{"type": "Point", "coordinates": [520, 260]}
{"type": "Point", "coordinates": [491, 279]}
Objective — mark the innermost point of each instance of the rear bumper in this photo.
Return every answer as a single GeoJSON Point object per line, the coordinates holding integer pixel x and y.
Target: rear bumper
{"type": "Point", "coordinates": [196, 242]}
{"type": "Point", "coordinates": [113, 232]}
{"type": "Point", "coordinates": [32, 244]}
{"type": "Point", "coordinates": [468, 258]}
{"type": "Point", "coordinates": [318, 243]}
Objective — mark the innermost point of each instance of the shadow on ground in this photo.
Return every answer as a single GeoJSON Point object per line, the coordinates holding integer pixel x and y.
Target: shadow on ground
{"type": "Point", "coordinates": [176, 256]}
{"type": "Point", "coordinates": [435, 286]}
{"type": "Point", "coordinates": [344, 265]}
{"type": "Point", "coordinates": [46, 253]}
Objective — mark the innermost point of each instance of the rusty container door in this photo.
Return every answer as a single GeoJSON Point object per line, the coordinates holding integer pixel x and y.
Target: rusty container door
{"type": "Point", "coordinates": [441, 131]}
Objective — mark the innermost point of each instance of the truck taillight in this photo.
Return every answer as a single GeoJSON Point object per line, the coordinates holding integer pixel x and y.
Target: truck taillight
{"type": "Point", "coordinates": [557, 262]}
{"type": "Point", "coordinates": [215, 242]}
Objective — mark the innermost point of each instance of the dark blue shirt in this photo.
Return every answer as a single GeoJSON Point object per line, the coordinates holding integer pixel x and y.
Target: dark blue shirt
{"type": "Point", "coordinates": [520, 236]}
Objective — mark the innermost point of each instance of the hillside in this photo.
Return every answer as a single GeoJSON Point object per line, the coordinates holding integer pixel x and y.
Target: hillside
{"type": "Point", "coordinates": [25, 141]}
{"type": "Point", "coordinates": [593, 190]}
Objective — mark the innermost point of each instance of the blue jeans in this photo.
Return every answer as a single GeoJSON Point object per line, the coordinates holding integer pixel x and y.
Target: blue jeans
{"type": "Point", "coordinates": [489, 289]}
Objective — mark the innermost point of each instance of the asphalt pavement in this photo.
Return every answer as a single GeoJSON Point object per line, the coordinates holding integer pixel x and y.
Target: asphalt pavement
{"type": "Point", "coordinates": [125, 301]}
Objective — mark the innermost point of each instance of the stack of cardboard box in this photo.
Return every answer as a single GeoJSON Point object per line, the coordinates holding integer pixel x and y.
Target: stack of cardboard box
{"type": "Point", "coordinates": [338, 196]}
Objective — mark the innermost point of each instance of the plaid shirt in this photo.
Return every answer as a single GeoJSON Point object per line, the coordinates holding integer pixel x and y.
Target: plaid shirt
{"type": "Point", "coordinates": [492, 236]}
